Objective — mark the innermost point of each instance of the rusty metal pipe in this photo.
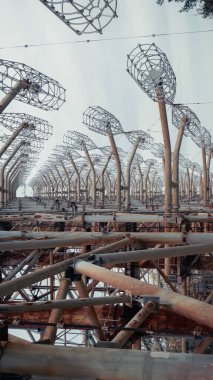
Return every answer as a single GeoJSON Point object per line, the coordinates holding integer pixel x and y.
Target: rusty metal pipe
{"type": "Point", "coordinates": [50, 331]}
{"type": "Point", "coordinates": [102, 363]}
{"type": "Point", "coordinates": [63, 304]}
{"type": "Point", "coordinates": [185, 306]}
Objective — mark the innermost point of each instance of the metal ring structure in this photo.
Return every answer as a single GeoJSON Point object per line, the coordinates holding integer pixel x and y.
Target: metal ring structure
{"type": "Point", "coordinates": [193, 126]}
{"type": "Point", "coordinates": [77, 140]}
{"type": "Point", "coordinates": [83, 16]}
{"type": "Point", "coordinates": [41, 128]}
{"type": "Point", "coordinates": [101, 121]}
{"type": "Point", "coordinates": [150, 68]}
{"type": "Point", "coordinates": [145, 142]}
{"type": "Point", "coordinates": [39, 90]}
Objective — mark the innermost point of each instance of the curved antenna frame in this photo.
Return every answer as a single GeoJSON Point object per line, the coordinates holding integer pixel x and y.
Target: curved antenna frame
{"type": "Point", "coordinates": [99, 120]}
{"type": "Point", "coordinates": [150, 68]}
{"type": "Point", "coordinates": [36, 89]}
{"type": "Point", "coordinates": [91, 17]}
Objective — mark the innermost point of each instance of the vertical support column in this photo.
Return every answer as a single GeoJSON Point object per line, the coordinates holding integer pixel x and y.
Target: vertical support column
{"type": "Point", "coordinates": [102, 180]}
{"type": "Point", "coordinates": [167, 145]}
{"type": "Point", "coordinates": [50, 332]}
{"type": "Point", "coordinates": [83, 293]}
{"type": "Point", "coordinates": [118, 171]}
{"type": "Point", "coordinates": [78, 185]}
{"type": "Point", "coordinates": [205, 181]}
{"type": "Point", "coordinates": [129, 163]}
{"type": "Point", "coordinates": [175, 166]}
{"type": "Point", "coordinates": [93, 175]}
{"type": "Point", "coordinates": [2, 170]}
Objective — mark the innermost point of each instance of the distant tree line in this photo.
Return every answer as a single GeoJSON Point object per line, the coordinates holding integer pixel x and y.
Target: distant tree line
{"type": "Point", "coordinates": [203, 7]}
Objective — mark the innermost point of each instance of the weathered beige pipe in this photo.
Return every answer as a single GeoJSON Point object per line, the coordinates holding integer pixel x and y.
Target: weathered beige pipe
{"type": "Point", "coordinates": [167, 146]}
{"type": "Point", "coordinates": [128, 168]}
{"type": "Point", "coordinates": [96, 363]}
{"type": "Point", "coordinates": [175, 165]}
{"type": "Point", "coordinates": [118, 170]}
{"type": "Point", "coordinates": [55, 315]}
{"type": "Point", "coordinates": [185, 306]}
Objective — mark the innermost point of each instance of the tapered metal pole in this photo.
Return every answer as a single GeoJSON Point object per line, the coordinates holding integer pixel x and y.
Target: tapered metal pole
{"type": "Point", "coordinates": [88, 158]}
{"type": "Point", "coordinates": [118, 170]}
{"type": "Point", "coordinates": [2, 170]}
{"type": "Point", "coordinates": [22, 84]}
{"type": "Point", "coordinates": [205, 180]}
{"type": "Point", "coordinates": [13, 137]}
{"type": "Point", "coordinates": [141, 184]}
{"type": "Point", "coordinates": [175, 165]}
{"type": "Point", "coordinates": [102, 180]}
{"type": "Point", "coordinates": [78, 185]}
{"type": "Point", "coordinates": [68, 180]}
{"type": "Point", "coordinates": [10, 171]}
{"type": "Point", "coordinates": [146, 182]}
{"type": "Point", "coordinates": [167, 146]}
{"type": "Point", "coordinates": [128, 168]}
{"type": "Point", "coordinates": [61, 180]}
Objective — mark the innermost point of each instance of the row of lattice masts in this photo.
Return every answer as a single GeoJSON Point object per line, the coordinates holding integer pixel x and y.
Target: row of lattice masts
{"type": "Point", "coordinates": [71, 175]}
{"type": "Point", "coordinates": [150, 68]}
{"type": "Point", "coordinates": [22, 136]}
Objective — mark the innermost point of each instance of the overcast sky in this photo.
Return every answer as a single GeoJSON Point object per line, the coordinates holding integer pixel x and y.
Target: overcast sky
{"type": "Point", "coordinates": [95, 73]}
